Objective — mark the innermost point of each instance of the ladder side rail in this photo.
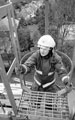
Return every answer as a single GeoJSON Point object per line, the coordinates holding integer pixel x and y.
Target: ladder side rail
{"type": "Point", "coordinates": [16, 36]}
{"type": "Point", "coordinates": [6, 10]}
{"type": "Point", "coordinates": [12, 34]}
{"type": "Point", "coordinates": [14, 41]}
{"type": "Point", "coordinates": [18, 54]}
{"type": "Point", "coordinates": [7, 86]}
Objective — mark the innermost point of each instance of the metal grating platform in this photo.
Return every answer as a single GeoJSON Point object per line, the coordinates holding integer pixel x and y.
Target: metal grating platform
{"type": "Point", "coordinates": [43, 105]}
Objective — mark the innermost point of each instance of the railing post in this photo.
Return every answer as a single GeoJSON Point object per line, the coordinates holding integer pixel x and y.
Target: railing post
{"type": "Point", "coordinates": [46, 16]}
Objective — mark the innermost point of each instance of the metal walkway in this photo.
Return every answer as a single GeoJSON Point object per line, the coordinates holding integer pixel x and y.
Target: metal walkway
{"type": "Point", "coordinates": [43, 105]}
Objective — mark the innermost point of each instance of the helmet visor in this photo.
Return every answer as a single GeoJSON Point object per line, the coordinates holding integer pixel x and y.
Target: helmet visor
{"type": "Point", "coordinates": [43, 47]}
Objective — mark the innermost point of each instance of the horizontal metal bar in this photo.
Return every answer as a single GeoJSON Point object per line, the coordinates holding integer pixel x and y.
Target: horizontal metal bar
{"type": "Point", "coordinates": [4, 9]}
{"type": "Point", "coordinates": [15, 1]}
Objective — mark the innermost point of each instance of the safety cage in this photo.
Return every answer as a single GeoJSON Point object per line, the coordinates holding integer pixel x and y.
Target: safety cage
{"type": "Point", "coordinates": [45, 105]}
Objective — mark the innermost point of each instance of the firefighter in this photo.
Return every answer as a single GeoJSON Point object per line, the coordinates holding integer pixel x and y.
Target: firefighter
{"type": "Point", "coordinates": [46, 62]}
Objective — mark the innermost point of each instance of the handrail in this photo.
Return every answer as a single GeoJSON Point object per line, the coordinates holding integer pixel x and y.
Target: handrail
{"type": "Point", "coordinates": [69, 60]}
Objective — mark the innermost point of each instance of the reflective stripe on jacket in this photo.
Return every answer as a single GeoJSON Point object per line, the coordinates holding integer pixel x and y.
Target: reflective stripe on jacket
{"type": "Point", "coordinates": [45, 85]}
{"type": "Point", "coordinates": [40, 72]}
{"type": "Point", "coordinates": [49, 78]}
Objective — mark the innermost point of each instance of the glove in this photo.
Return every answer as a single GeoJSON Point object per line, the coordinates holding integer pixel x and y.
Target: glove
{"type": "Point", "coordinates": [65, 80]}
{"type": "Point", "coordinates": [22, 69]}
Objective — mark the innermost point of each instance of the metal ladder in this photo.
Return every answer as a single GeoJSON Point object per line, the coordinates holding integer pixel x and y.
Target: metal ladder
{"type": "Point", "coordinates": [7, 10]}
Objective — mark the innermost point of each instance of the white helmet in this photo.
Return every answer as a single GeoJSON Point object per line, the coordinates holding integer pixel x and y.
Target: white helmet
{"type": "Point", "coordinates": [46, 41]}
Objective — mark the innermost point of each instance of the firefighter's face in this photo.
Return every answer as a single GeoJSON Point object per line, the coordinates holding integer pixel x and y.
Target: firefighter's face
{"type": "Point", "coordinates": [44, 51]}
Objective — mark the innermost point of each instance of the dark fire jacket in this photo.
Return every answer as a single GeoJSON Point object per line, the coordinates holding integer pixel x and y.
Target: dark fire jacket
{"type": "Point", "coordinates": [45, 69]}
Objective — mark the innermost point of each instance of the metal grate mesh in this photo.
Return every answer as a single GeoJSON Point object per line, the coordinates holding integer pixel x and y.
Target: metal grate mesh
{"type": "Point", "coordinates": [44, 105]}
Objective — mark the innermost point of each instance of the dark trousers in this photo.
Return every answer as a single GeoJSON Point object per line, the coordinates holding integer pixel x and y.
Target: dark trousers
{"type": "Point", "coordinates": [52, 88]}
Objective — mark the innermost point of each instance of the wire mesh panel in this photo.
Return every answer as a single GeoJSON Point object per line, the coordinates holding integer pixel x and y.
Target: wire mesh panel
{"type": "Point", "coordinates": [43, 105]}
